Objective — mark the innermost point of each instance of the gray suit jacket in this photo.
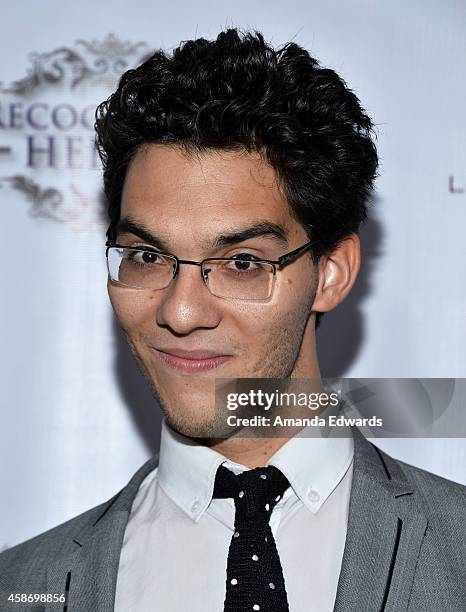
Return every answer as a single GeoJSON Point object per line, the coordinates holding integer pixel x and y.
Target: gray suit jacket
{"type": "Point", "coordinates": [405, 546]}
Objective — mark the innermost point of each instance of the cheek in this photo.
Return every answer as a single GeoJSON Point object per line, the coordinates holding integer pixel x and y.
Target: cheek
{"type": "Point", "coordinates": [278, 323]}
{"type": "Point", "coordinates": [131, 308]}
{"type": "Point", "coordinates": [283, 324]}
{"type": "Point", "coordinates": [272, 339]}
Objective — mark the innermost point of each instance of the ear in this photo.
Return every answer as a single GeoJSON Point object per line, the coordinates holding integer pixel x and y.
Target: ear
{"type": "Point", "coordinates": [337, 274]}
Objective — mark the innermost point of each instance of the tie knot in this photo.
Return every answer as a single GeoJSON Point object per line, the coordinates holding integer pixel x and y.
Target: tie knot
{"type": "Point", "coordinates": [255, 492]}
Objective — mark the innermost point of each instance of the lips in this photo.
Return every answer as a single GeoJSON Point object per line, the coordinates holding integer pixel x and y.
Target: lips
{"type": "Point", "coordinates": [199, 354]}
{"type": "Point", "coordinates": [191, 361]}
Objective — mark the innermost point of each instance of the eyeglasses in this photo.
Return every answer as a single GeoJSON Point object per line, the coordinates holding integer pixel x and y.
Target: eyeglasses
{"type": "Point", "coordinates": [244, 277]}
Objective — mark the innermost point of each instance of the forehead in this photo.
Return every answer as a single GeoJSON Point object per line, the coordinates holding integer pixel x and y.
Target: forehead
{"type": "Point", "coordinates": [168, 188]}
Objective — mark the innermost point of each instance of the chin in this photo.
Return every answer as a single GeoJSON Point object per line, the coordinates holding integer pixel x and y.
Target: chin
{"type": "Point", "coordinates": [192, 425]}
{"type": "Point", "coordinates": [189, 404]}
{"type": "Point", "coordinates": [188, 411]}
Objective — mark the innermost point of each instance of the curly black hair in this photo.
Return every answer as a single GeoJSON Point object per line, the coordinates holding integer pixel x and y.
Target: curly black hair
{"type": "Point", "coordinates": [237, 92]}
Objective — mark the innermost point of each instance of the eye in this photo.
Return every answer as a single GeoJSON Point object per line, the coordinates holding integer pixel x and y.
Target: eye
{"type": "Point", "coordinates": [144, 257]}
{"type": "Point", "coordinates": [244, 263]}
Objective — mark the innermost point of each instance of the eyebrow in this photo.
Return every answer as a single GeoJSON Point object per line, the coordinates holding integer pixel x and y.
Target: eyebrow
{"type": "Point", "coordinates": [265, 229]}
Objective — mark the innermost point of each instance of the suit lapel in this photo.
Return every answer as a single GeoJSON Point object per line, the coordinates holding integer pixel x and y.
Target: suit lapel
{"type": "Point", "coordinates": [386, 526]}
{"type": "Point", "coordinates": [89, 572]}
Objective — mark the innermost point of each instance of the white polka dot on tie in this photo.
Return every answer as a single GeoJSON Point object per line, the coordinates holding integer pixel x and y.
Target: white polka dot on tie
{"type": "Point", "coordinates": [267, 507]}
{"type": "Point", "coordinates": [240, 494]}
{"type": "Point", "coordinates": [263, 476]}
{"type": "Point", "coordinates": [266, 538]}
{"type": "Point", "coordinates": [271, 585]}
{"type": "Point", "coordinates": [255, 558]}
{"type": "Point", "coordinates": [256, 607]}
{"type": "Point", "coordinates": [277, 498]}
{"type": "Point", "coordinates": [234, 581]}
{"type": "Point", "coordinates": [236, 534]}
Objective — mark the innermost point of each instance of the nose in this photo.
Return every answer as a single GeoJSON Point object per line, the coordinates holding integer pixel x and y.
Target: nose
{"type": "Point", "coordinates": [187, 304]}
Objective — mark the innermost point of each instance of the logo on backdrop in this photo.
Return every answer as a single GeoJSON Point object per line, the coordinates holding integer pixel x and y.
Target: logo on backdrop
{"type": "Point", "coordinates": [47, 151]}
{"type": "Point", "coordinates": [454, 186]}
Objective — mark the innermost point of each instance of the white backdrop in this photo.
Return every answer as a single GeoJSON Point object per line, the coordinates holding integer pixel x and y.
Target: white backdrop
{"type": "Point", "coordinates": [76, 417]}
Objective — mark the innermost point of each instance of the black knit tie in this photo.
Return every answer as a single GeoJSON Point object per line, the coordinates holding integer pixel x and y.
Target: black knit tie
{"type": "Point", "coordinates": [254, 573]}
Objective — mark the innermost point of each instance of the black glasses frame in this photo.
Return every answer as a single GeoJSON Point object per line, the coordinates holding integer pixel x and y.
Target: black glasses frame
{"type": "Point", "coordinates": [281, 261]}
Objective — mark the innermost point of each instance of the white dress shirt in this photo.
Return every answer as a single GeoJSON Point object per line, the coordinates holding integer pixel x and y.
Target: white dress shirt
{"type": "Point", "coordinates": [176, 542]}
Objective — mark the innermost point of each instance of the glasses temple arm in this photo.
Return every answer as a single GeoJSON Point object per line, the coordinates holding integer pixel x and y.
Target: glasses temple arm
{"type": "Point", "coordinates": [284, 259]}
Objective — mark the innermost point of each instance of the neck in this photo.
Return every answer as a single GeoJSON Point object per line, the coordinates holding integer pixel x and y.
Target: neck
{"type": "Point", "coordinates": [250, 452]}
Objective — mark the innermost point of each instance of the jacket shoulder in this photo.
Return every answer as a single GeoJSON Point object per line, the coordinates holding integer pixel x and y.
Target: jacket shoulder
{"type": "Point", "coordinates": [31, 558]}
{"type": "Point", "coordinates": [25, 565]}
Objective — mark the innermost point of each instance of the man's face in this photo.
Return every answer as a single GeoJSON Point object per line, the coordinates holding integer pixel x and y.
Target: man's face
{"type": "Point", "coordinates": [187, 203]}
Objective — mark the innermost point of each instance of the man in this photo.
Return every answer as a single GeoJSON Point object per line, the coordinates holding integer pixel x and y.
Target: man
{"type": "Point", "coordinates": [219, 161]}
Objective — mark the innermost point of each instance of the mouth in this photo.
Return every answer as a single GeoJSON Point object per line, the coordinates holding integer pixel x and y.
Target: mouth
{"type": "Point", "coordinates": [191, 361]}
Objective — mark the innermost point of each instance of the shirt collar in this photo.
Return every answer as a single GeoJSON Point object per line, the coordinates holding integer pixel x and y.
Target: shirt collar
{"type": "Point", "coordinates": [313, 465]}
{"type": "Point", "coordinates": [187, 470]}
